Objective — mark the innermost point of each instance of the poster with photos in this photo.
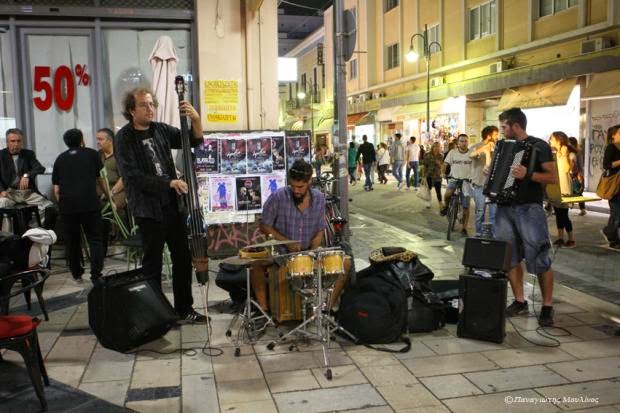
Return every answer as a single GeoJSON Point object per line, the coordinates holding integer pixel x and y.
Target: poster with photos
{"type": "Point", "coordinates": [259, 155]}
{"type": "Point", "coordinates": [207, 156]}
{"type": "Point", "coordinates": [248, 193]}
{"type": "Point", "coordinates": [297, 147]}
{"type": "Point", "coordinates": [270, 184]}
{"type": "Point", "coordinates": [203, 193]}
{"type": "Point", "coordinates": [233, 155]}
{"type": "Point", "coordinates": [277, 153]}
{"type": "Point", "coordinates": [222, 193]}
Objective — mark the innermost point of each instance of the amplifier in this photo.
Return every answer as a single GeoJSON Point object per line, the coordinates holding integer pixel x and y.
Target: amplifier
{"type": "Point", "coordinates": [482, 306]}
{"type": "Point", "coordinates": [487, 254]}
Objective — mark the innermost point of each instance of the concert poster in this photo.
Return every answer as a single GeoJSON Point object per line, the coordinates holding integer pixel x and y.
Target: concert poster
{"type": "Point", "coordinates": [297, 147]}
{"type": "Point", "coordinates": [277, 152]}
{"type": "Point", "coordinates": [233, 156]}
{"type": "Point", "coordinates": [270, 184]}
{"type": "Point", "coordinates": [259, 155]}
{"type": "Point", "coordinates": [222, 191]}
{"type": "Point", "coordinates": [207, 156]}
{"type": "Point", "coordinates": [203, 193]}
{"type": "Point", "coordinates": [248, 193]}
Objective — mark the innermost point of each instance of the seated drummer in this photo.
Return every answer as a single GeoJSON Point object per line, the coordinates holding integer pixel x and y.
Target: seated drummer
{"type": "Point", "coordinates": [296, 213]}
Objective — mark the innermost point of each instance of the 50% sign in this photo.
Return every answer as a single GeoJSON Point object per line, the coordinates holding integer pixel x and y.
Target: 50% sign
{"type": "Point", "coordinates": [59, 88]}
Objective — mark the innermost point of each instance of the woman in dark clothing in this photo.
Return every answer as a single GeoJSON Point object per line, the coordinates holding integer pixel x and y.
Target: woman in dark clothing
{"type": "Point", "coordinates": [559, 144]}
{"type": "Point", "coordinates": [433, 164]}
{"type": "Point", "coordinates": [611, 160]}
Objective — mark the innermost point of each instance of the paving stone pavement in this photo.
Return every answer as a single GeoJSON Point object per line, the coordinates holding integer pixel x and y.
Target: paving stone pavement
{"type": "Point", "coordinates": [441, 373]}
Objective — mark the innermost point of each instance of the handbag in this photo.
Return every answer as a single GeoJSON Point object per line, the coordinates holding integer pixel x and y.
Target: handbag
{"type": "Point", "coordinates": [609, 184]}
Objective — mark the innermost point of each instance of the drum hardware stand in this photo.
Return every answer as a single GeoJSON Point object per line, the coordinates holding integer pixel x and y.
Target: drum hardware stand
{"type": "Point", "coordinates": [247, 324]}
{"type": "Point", "coordinates": [325, 324]}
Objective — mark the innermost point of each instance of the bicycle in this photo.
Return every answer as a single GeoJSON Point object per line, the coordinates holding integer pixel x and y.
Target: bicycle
{"type": "Point", "coordinates": [455, 211]}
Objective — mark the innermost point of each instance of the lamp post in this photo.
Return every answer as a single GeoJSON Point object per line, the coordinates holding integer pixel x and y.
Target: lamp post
{"type": "Point", "coordinates": [413, 56]}
{"type": "Point", "coordinates": [302, 95]}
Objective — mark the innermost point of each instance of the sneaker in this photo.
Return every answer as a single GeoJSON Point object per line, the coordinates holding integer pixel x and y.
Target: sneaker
{"type": "Point", "coordinates": [614, 246]}
{"type": "Point", "coordinates": [582, 212]}
{"type": "Point", "coordinates": [607, 240]}
{"type": "Point", "coordinates": [558, 242]}
{"type": "Point", "coordinates": [192, 317]}
{"type": "Point", "coordinates": [443, 211]}
{"type": "Point", "coordinates": [516, 308]}
{"type": "Point", "coordinates": [416, 189]}
{"type": "Point", "coordinates": [569, 244]}
{"type": "Point", "coordinates": [545, 318]}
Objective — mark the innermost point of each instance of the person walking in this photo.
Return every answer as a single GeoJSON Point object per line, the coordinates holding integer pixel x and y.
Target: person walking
{"type": "Point", "coordinates": [433, 165]}
{"type": "Point", "coordinates": [367, 152]}
{"type": "Point", "coordinates": [412, 162]}
{"type": "Point", "coordinates": [611, 161]}
{"type": "Point", "coordinates": [481, 154]}
{"type": "Point", "coordinates": [559, 145]}
{"type": "Point", "coordinates": [576, 171]}
{"type": "Point", "coordinates": [351, 162]}
{"type": "Point", "coordinates": [383, 160]}
{"type": "Point", "coordinates": [397, 155]}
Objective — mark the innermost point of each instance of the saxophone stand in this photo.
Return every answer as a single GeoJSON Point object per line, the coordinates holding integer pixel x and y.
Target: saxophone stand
{"type": "Point", "coordinates": [325, 324]}
{"type": "Point", "coordinates": [248, 323]}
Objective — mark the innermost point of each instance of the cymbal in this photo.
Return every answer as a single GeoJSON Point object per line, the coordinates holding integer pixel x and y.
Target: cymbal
{"type": "Point", "coordinates": [272, 243]}
{"type": "Point", "coordinates": [246, 262]}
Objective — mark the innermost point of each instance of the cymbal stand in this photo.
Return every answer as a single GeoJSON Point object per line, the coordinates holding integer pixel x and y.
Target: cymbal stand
{"type": "Point", "coordinates": [248, 323]}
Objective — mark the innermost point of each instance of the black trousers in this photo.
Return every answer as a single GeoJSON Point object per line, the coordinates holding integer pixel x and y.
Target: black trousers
{"type": "Point", "coordinates": [173, 232]}
{"type": "Point", "coordinates": [91, 223]}
{"type": "Point", "coordinates": [434, 184]}
{"type": "Point", "coordinates": [562, 221]}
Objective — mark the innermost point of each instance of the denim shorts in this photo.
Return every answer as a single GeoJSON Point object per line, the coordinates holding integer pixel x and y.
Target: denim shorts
{"type": "Point", "coordinates": [465, 200]}
{"type": "Point", "coordinates": [525, 228]}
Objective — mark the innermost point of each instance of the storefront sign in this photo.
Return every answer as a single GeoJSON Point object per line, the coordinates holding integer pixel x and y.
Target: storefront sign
{"type": "Point", "coordinates": [59, 87]}
{"type": "Point", "coordinates": [222, 100]}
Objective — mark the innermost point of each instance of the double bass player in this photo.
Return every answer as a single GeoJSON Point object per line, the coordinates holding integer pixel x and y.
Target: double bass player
{"type": "Point", "coordinates": [153, 190]}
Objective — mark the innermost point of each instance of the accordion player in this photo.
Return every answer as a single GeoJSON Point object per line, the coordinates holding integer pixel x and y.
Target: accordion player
{"type": "Point", "coordinates": [501, 186]}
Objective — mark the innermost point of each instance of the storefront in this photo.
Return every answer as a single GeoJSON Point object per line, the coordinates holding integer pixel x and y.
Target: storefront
{"type": "Point", "coordinates": [61, 74]}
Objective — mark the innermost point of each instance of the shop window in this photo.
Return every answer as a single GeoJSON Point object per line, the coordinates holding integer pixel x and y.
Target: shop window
{"type": "Point", "coordinates": [392, 56]}
{"type": "Point", "coordinates": [126, 54]}
{"type": "Point", "coordinates": [389, 5]}
{"type": "Point", "coordinates": [353, 69]}
{"type": "Point", "coordinates": [482, 20]}
{"type": "Point", "coordinates": [549, 7]}
{"type": "Point", "coordinates": [7, 97]}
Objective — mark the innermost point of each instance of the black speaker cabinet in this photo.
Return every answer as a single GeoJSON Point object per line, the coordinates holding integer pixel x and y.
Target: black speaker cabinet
{"type": "Point", "coordinates": [487, 254]}
{"type": "Point", "coordinates": [482, 306]}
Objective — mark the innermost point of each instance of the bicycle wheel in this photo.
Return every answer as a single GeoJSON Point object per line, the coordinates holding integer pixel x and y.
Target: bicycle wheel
{"type": "Point", "coordinates": [452, 212]}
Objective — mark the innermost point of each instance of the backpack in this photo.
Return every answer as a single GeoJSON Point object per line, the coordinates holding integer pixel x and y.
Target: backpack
{"type": "Point", "coordinates": [374, 310]}
{"type": "Point", "coordinates": [425, 312]}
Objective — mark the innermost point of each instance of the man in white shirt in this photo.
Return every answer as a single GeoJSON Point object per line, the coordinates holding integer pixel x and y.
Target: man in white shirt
{"type": "Point", "coordinates": [481, 154]}
{"type": "Point", "coordinates": [412, 158]}
{"type": "Point", "coordinates": [460, 169]}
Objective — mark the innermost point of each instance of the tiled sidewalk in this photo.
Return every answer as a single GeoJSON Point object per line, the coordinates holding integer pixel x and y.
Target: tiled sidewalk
{"type": "Point", "coordinates": [441, 372]}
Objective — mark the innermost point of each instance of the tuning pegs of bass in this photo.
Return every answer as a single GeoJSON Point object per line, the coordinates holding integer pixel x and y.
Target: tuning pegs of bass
{"type": "Point", "coordinates": [179, 85]}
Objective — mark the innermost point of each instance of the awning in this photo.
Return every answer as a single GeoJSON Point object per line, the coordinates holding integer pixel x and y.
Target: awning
{"type": "Point", "coordinates": [367, 119]}
{"type": "Point", "coordinates": [351, 119]}
{"type": "Point", "coordinates": [538, 95]}
{"type": "Point", "coordinates": [604, 84]}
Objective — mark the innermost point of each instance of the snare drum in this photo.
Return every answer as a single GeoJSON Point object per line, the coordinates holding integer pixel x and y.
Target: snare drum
{"type": "Point", "coordinates": [332, 263]}
{"type": "Point", "coordinates": [300, 265]}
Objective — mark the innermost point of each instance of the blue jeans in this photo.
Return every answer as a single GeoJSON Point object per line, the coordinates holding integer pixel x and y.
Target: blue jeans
{"type": "Point", "coordinates": [416, 179]}
{"type": "Point", "coordinates": [481, 207]}
{"type": "Point", "coordinates": [367, 172]}
{"type": "Point", "coordinates": [525, 228]}
{"type": "Point", "coordinates": [397, 171]}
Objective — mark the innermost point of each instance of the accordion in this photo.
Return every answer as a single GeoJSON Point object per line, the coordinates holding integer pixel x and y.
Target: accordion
{"type": "Point", "coordinates": [501, 187]}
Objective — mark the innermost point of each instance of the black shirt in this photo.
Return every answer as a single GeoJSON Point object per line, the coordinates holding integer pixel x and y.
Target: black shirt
{"type": "Point", "coordinates": [367, 151]}
{"type": "Point", "coordinates": [531, 192]}
{"type": "Point", "coordinates": [612, 154]}
{"type": "Point", "coordinates": [76, 171]}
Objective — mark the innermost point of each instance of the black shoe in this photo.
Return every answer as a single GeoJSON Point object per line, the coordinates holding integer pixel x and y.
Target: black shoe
{"type": "Point", "coordinates": [558, 242]}
{"type": "Point", "coordinates": [443, 211]}
{"type": "Point", "coordinates": [545, 318]}
{"type": "Point", "coordinates": [615, 245]}
{"type": "Point", "coordinates": [464, 232]}
{"type": "Point", "coordinates": [516, 308]}
{"type": "Point", "coordinates": [192, 317]}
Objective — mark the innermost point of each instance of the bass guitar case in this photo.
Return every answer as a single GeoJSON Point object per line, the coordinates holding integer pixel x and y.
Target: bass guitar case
{"type": "Point", "coordinates": [126, 310]}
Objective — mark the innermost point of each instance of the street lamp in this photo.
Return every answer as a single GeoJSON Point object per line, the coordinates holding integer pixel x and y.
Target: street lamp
{"type": "Point", "coordinates": [302, 95]}
{"type": "Point", "coordinates": [413, 56]}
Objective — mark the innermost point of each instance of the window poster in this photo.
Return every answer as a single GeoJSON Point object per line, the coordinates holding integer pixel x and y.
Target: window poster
{"type": "Point", "coordinates": [207, 156]}
{"type": "Point", "coordinates": [222, 191]}
{"type": "Point", "coordinates": [248, 193]}
{"type": "Point", "coordinates": [233, 156]}
{"type": "Point", "coordinates": [259, 155]}
{"type": "Point", "coordinates": [297, 147]}
{"type": "Point", "coordinates": [270, 184]}
{"type": "Point", "coordinates": [277, 152]}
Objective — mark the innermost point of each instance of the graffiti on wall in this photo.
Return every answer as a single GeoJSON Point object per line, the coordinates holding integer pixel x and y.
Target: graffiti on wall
{"type": "Point", "coordinates": [225, 240]}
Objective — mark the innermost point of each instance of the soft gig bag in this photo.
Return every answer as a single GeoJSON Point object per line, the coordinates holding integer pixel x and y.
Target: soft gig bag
{"type": "Point", "coordinates": [128, 309]}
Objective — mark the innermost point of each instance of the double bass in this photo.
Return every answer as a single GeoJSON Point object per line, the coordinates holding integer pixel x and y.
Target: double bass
{"type": "Point", "coordinates": [197, 234]}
